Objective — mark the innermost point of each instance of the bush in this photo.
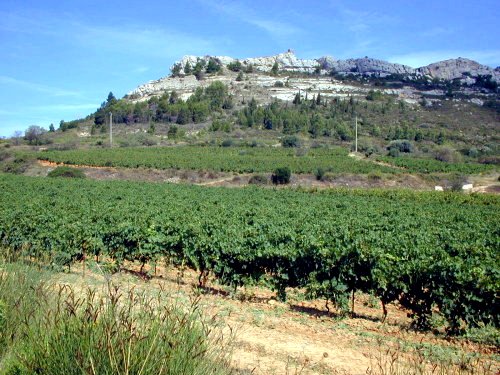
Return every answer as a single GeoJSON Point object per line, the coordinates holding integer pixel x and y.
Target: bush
{"type": "Point", "coordinates": [281, 176]}
{"type": "Point", "coordinates": [66, 172]}
{"type": "Point", "coordinates": [319, 173]}
{"type": "Point", "coordinates": [447, 155]}
{"type": "Point", "coordinates": [394, 152]}
{"type": "Point", "coordinates": [279, 84]}
{"type": "Point", "coordinates": [18, 166]}
{"type": "Point", "coordinates": [290, 141]}
{"type": "Point", "coordinates": [402, 145]}
{"type": "Point", "coordinates": [258, 179]}
{"type": "Point", "coordinates": [375, 176]}
{"type": "Point", "coordinates": [120, 332]}
{"type": "Point", "coordinates": [227, 143]}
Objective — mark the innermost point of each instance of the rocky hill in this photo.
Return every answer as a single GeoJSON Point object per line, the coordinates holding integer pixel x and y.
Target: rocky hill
{"type": "Point", "coordinates": [284, 75]}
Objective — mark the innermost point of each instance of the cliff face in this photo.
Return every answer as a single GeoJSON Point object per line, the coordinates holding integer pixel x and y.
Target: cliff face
{"type": "Point", "coordinates": [458, 68]}
{"type": "Point", "coordinates": [263, 84]}
{"type": "Point", "coordinates": [448, 69]}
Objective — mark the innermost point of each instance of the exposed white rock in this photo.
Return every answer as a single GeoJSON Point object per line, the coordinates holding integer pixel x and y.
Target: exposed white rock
{"type": "Point", "coordinates": [265, 86]}
{"type": "Point", "coordinates": [458, 68]}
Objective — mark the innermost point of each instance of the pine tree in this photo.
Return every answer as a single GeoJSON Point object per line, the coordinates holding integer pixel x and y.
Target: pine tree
{"type": "Point", "coordinates": [275, 69]}
{"type": "Point", "coordinates": [296, 100]}
{"type": "Point", "coordinates": [318, 98]}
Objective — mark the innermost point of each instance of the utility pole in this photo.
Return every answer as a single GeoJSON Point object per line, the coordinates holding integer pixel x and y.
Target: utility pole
{"type": "Point", "coordinates": [110, 129]}
{"type": "Point", "coordinates": [356, 143]}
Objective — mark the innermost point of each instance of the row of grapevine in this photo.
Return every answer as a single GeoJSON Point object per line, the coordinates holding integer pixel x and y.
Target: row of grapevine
{"type": "Point", "coordinates": [430, 252]}
{"type": "Point", "coordinates": [421, 165]}
{"type": "Point", "coordinates": [257, 159]}
{"type": "Point", "coordinates": [225, 159]}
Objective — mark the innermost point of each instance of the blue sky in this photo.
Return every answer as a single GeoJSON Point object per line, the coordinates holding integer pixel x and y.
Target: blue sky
{"type": "Point", "coordinates": [60, 59]}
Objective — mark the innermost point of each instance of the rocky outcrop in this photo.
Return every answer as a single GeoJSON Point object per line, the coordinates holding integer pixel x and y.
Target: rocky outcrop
{"type": "Point", "coordinates": [286, 62]}
{"type": "Point", "coordinates": [364, 66]}
{"type": "Point", "coordinates": [286, 86]}
{"type": "Point", "coordinates": [458, 69]}
{"type": "Point", "coordinates": [448, 70]}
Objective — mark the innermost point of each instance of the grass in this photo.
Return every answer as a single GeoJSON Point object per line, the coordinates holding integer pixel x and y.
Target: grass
{"type": "Point", "coordinates": [56, 329]}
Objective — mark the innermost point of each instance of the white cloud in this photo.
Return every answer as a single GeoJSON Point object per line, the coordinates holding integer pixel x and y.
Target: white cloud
{"type": "Point", "coordinates": [423, 58]}
{"type": "Point", "coordinates": [33, 86]}
{"type": "Point", "coordinates": [65, 107]}
{"type": "Point", "coordinates": [272, 25]}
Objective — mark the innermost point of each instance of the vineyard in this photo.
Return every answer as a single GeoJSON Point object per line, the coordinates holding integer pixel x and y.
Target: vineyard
{"type": "Point", "coordinates": [432, 253]}
{"type": "Point", "coordinates": [421, 165]}
{"type": "Point", "coordinates": [225, 159]}
{"type": "Point", "coordinates": [256, 159]}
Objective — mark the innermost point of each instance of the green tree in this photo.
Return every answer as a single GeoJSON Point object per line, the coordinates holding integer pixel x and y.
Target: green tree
{"type": "Point", "coordinates": [318, 98]}
{"type": "Point", "coordinates": [213, 66]}
{"type": "Point", "coordinates": [51, 128]}
{"type": "Point", "coordinates": [275, 69]}
{"type": "Point", "coordinates": [34, 134]}
{"type": "Point", "coordinates": [175, 70]}
{"type": "Point", "coordinates": [297, 99]}
{"type": "Point", "coordinates": [281, 176]}
{"type": "Point", "coordinates": [235, 66]}
{"type": "Point", "coordinates": [187, 68]}
{"type": "Point", "coordinates": [172, 131]}
{"type": "Point", "coordinates": [111, 99]}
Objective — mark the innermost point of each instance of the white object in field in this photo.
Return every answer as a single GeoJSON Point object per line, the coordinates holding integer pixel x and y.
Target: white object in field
{"type": "Point", "coordinates": [438, 188]}
{"type": "Point", "coordinates": [467, 187]}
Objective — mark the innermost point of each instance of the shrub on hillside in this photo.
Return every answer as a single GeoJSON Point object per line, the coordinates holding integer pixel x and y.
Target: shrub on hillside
{"type": "Point", "coordinates": [281, 176]}
{"type": "Point", "coordinates": [402, 145]}
{"type": "Point", "coordinates": [66, 172]}
{"type": "Point", "coordinates": [258, 179]}
{"type": "Point", "coordinates": [447, 155]}
{"type": "Point", "coordinates": [290, 141]}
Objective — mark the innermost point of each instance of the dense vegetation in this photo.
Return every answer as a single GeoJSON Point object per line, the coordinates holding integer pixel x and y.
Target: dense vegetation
{"type": "Point", "coordinates": [167, 108]}
{"type": "Point", "coordinates": [431, 252]}
{"type": "Point", "coordinates": [420, 165]}
{"type": "Point", "coordinates": [254, 159]}
{"type": "Point", "coordinates": [47, 328]}
{"type": "Point", "coordinates": [237, 159]}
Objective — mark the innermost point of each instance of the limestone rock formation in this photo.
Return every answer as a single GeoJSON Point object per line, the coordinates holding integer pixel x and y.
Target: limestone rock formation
{"type": "Point", "coordinates": [285, 86]}
{"type": "Point", "coordinates": [458, 68]}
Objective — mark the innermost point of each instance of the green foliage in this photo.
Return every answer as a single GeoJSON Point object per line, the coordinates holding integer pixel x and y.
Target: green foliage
{"type": "Point", "coordinates": [227, 143]}
{"type": "Point", "coordinates": [401, 145]}
{"type": "Point", "coordinates": [173, 131]}
{"type": "Point", "coordinates": [423, 165]}
{"type": "Point", "coordinates": [221, 125]}
{"type": "Point", "coordinates": [66, 172]}
{"type": "Point", "coordinates": [17, 166]}
{"type": "Point", "coordinates": [447, 155]}
{"type": "Point", "coordinates": [290, 141]}
{"type": "Point", "coordinates": [319, 173]}
{"type": "Point", "coordinates": [49, 329]}
{"type": "Point", "coordinates": [235, 66]}
{"type": "Point", "coordinates": [374, 95]}
{"type": "Point", "coordinates": [175, 70]}
{"type": "Point", "coordinates": [240, 77]}
{"type": "Point", "coordinates": [261, 159]}
{"type": "Point", "coordinates": [35, 135]}
{"type": "Point", "coordinates": [258, 179]}
{"type": "Point", "coordinates": [213, 66]}
{"type": "Point", "coordinates": [430, 252]}
{"type": "Point", "coordinates": [275, 69]}
{"type": "Point", "coordinates": [281, 176]}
